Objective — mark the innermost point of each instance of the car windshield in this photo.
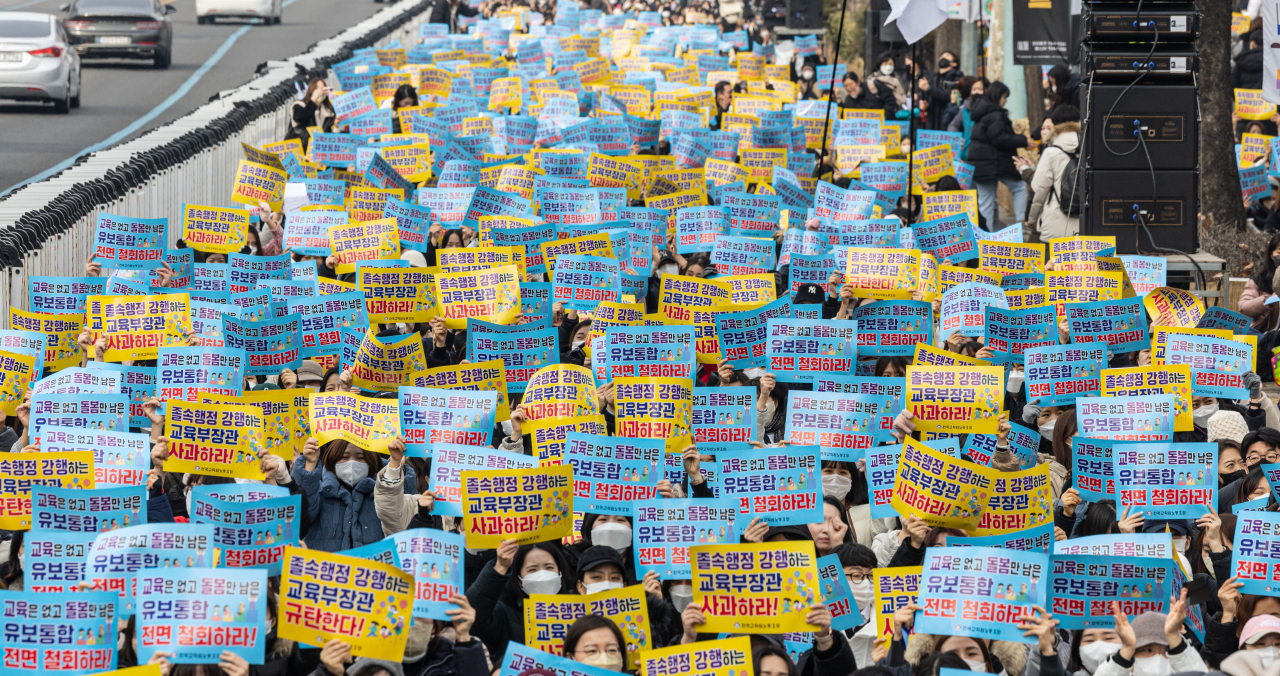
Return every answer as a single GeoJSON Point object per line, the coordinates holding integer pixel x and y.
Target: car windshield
{"type": "Point", "coordinates": [113, 7]}
{"type": "Point", "coordinates": [24, 28]}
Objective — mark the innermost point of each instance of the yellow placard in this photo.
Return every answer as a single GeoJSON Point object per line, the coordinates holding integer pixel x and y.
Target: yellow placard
{"type": "Point", "coordinates": [1010, 259]}
{"type": "Point", "coordinates": [549, 436]}
{"type": "Point", "coordinates": [679, 296]}
{"type": "Point", "coordinates": [1142, 381]}
{"type": "Point", "coordinates": [894, 588]}
{"type": "Point", "coordinates": [386, 365]}
{"type": "Point", "coordinates": [398, 294]}
{"type": "Point", "coordinates": [20, 471]}
{"type": "Point", "coordinates": [1254, 147]}
{"type": "Point", "coordinates": [951, 275]}
{"type": "Point", "coordinates": [951, 202]}
{"type": "Point", "coordinates": [468, 259]}
{"type": "Point", "coordinates": [726, 657]}
{"type": "Point", "coordinates": [723, 172]}
{"type": "Point", "coordinates": [955, 399]}
{"type": "Point", "coordinates": [882, 273]}
{"type": "Point", "coordinates": [505, 94]}
{"type": "Point", "coordinates": [368, 606]}
{"type": "Point", "coordinates": [60, 331]}
{"type": "Point", "coordinates": [368, 423]}
{"type": "Point", "coordinates": [368, 204]}
{"type": "Point", "coordinates": [849, 156]}
{"type": "Point", "coordinates": [214, 439]}
{"type": "Point", "coordinates": [759, 163]}
{"type": "Point", "coordinates": [368, 241]}
{"type": "Point", "coordinates": [674, 202]}
{"type": "Point", "coordinates": [259, 182]}
{"type": "Point", "coordinates": [1027, 298]}
{"type": "Point", "coordinates": [751, 289]}
{"type": "Point", "coordinates": [560, 391]}
{"type": "Point", "coordinates": [1077, 253]}
{"type": "Point", "coordinates": [1251, 106]}
{"type": "Point", "coordinates": [17, 372]}
{"type": "Point", "coordinates": [597, 244]}
{"type": "Point", "coordinates": [929, 277]}
{"type": "Point", "coordinates": [1168, 306]}
{"type": "Point", "coordinates": [943, 491]}
{"type": "Point", "coordinates": [485, 376]}
{"type": "Point", "coordinates": [932, 163]}
{"type": "Point", "coordinates": [491, 295]}
{"type": "Point", "coordinates": [525, 505]}
{"type": "Point", "coordinates": [655, 408]}
{"type": "Point", "coordinates": [136, 327]}
{"type": "Point", "coordinates": [928, 355]}
{"type": "Point", "coordinates": [1240, 23]}
{"type": "Point", "coordinates": [1082, 287]}
{"type": "Point", "coordinates": [547, 617]}
{"type": "Point", "coordinates": [215, 229]}
{"type": "Point", "coordinates": [285, 425]}
{"type": "Point", "coordinates": [764, 588]}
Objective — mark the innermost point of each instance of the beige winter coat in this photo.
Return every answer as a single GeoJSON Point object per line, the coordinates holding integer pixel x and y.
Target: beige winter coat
{"type": "Point", "coordinates": [1045, 211]}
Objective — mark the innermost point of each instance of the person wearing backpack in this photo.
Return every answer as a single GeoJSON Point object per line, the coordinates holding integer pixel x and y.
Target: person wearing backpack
{"type": "Point", "coordinates": [1053, 209]}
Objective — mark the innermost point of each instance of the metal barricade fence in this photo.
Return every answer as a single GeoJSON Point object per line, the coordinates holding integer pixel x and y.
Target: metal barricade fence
{"type": "Point", "coordinates": [47, 228]}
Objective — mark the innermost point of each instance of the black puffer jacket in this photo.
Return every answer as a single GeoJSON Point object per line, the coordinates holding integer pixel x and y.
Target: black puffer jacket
{"type": "Point", "coordinates": [1247, 73]}
{"type": "Point", "coordinates": [992, 143]}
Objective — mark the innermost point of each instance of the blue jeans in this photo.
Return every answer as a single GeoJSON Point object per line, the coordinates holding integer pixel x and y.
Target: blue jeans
{"type": "Point", "coordinates": [987, 200]}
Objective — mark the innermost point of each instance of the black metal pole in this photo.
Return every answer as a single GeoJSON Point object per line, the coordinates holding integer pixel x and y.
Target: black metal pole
{"type": "Point", "coordinates": [911, 132]}
{"type": "Point", "coordinates": [831, 93]}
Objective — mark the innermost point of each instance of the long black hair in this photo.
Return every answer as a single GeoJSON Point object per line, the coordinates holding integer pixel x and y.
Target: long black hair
{"type": "Point", "coordinates": [513, 595]}
{"type": "Point", "coordinates": [1267, 272]}
{"type": "Point", "coordinates": [997, 91]}
{"type": "Point", "coordinates": [1100, 519]}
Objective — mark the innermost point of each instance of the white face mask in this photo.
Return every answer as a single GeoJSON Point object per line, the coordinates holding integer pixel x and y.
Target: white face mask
{"type": "Point", "coordinates": [1208, 564]}
{"type": "Point", "coordinates": [1013, 384]}
{"type": "Point", "coordinates": [541, 582]}
{"type": "Point", "coordinates": [836, 486]}
{"type": "Point", "coordinates": [887, 69]}
{"type": "Point", "coordinates": [1152, 666]}
{"type": "Point", "coordinates": [681, 596]}
{"type": "Point", "coordinates": [669, 269]}
{"type": "Point", "coordinates": [1201, 415]}
{"type": "Point", "coordinates": [1093, 655]}
{"type": "Point", "coordinates": [597, 587]}
{"type": "Point", "coordinates": [1267, 655]}
{"type": "Point", "coordinates": [578, 343]}
{"type": "Point", "coordinates": [351, 471]}
{"type": "Point", "coordinates": [1046, 430]}
{"type": "Point", "coordinates": [979, 667]}
{"type": "Point", "coordinates": [864, 594]}
{"type": "Point", "coordinates": [616, 535]}
{"type": "Point", "coordinates": [188, 502]}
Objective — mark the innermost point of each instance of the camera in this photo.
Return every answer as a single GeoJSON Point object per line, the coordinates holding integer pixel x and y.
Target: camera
{"type": "Point", "coordinates": [948, 85]}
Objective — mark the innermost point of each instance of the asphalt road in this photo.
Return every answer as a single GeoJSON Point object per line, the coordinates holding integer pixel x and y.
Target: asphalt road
{"type": "Point", "coordinates": [117, 93]}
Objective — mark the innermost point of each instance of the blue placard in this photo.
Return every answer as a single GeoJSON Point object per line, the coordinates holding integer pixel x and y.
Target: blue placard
{"type": "Point", "coordinates": [430, 416]}
{"type": "Point", "coordinates": [62, 294]}
{"type": "Point", "coordinates": [435, 560]}
{"type": "Point", "coordinates": [889, 178]}
{"type": "Point", "coordinates": [650, 351]}
{"type": "Point", "coordinates": [665, 529]}
{"type": "Point", "coordinates": [1168, 481]}
{"type": "Point", "coordinates": [520, 659]}
{"type": "Point", "coordinates": [138, 383]}
{"type": "Point", "coordinates": [1022, 282]}
{"type": "Point", "coordinates": [1023, 442]}
{"type": "Point", "coordinates": [836, 594]}
{"type": "Point", "coordinates": [451, 460]}
{"type": "Point", "coordinates": [785, 490]}
{"type": "Point", "coordinates": [70, 634]}
{"type": "Point", "coordinates": [980, 592]}
{"type": "Point", "coordinates": [270, 344]}
{"type": "Point", "coordinates": [1084, 587]}
{"type": "Point", "coordinates": [1146, 418]}
{"type": "Point", "coordinates": [743, 335]}
{"type": "Point", "coordinates": [1257, 505]}
{"type": "Point", "coordinates": [54, 561]}
{"type": "Point", "coordinates": [128, 243]}
{"type": "Point", "coordinates": [184, 372]}
{"type": "Point", "coordinates": [698, 228]}
{"type": "Point", "coordinates": [581, 282]}
{"type": "Point", "coordinates": [245, 271]}
{"type": "Point", "coordinates": [948, 239]}
{"type": "Point", "coordinates": [723, 418]}
{"type": "Point", "coordinates": [86, 411]}
{"type": "Point", "coordinates": [889, 390]}
{"type": "Point", "coordinates": [307, 232]}
{"type": "Point", "coordinates": [842, 425]}
{"type": "Point", "coordinates": [893, 327]}
{"type": "Point", "coordinates": [196, 614]}
{"type": "Point", "coordinates": [76, 510]}
{"type": "Point", "coordinates": [800, 350]}
{"type": "Point", "coordinates": [1217, 365]}
{"type": "Point", "coordinates": [964, 308]}
{"type": "Point", "coordinates": [742, 255]}
{"type": "Point", "coordinates": [1221, 318]}
{"type": "Point", "coordinates": [1121, 324]}
{"type": "Point", "coordinates": [323, 317]}
{"type": "Point", "coordinates": [610, 472]}
{"type": "Point", "coordinates": [1057, 375]}
{"type": "Point", "coordinates": [251, 534]}
{"type": "Point", "coordinates": [1011, 333]}
{"type": "Point", "coordinates": [116, 556]}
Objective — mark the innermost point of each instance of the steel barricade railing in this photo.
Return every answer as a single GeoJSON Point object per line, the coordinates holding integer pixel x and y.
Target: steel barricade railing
{"type": "Point", "coordinates": [47, 228]}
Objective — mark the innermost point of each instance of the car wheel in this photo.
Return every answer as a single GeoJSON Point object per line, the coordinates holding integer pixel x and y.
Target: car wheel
{"type": "Point", "coordinates": [162, 60]}
{"type": "Point", "coordinates": [277, 18]}
{"type": "Point", "coordinates": [202, 19]}
{"type": "Point", "coordinates": [62, 106]}
{"type": "Point", "coordinates": [75, 101]}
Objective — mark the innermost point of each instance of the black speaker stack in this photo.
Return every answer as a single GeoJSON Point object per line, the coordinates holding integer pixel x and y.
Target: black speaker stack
{"type": "Point", "coordinates": [1140, 144]}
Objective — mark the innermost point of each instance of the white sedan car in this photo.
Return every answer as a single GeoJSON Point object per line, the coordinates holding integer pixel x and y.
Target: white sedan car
{"type": "Point", "coordinates": [270, 11]}
{"type": "Point", "coordinates": [36, 61]}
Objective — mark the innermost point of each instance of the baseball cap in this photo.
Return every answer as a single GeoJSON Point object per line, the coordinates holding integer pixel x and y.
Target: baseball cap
{"type": "Point", "coordinates": [1257, 627]}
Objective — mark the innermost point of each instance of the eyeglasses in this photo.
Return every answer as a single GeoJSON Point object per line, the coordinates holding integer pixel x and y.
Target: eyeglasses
{"type": "Point", "coordinates": [858, 575]}
{"type": "Point", "coordinates": [592, 651]}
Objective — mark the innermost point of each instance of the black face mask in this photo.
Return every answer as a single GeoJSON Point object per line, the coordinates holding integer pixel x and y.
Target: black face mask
{"type": "Point", "coordinates": [944, 64]}
{"type": "Point", "coordinates": [1224, 479]}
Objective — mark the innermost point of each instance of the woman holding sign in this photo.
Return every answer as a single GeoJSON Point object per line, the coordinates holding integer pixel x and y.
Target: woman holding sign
{"type": "Point", "coordinates": [499, 593]}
